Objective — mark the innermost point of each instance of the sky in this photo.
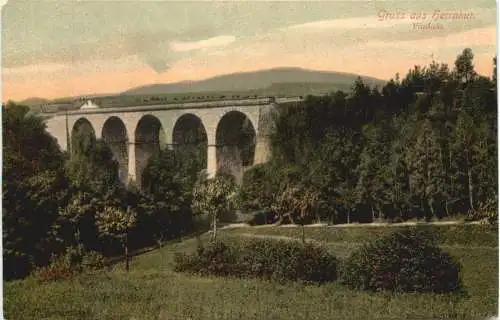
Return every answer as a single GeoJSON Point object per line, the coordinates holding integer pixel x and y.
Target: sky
{"type": "Point", "coordinates": [66, 48]}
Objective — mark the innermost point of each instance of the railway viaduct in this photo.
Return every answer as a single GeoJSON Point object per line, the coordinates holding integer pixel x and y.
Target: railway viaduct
{"type": "Point", "coordinates": [133, 133]}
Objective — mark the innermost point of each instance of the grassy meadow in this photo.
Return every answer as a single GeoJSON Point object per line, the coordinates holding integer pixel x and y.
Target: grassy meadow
{"type": "Point", "coordinates": [152, 290]}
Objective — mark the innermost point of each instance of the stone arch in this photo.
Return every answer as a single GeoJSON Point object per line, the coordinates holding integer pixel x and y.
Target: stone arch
{"type": "Point", "coordinates": [149, 138]}
{"type": "Point", "coordinates": [114, 133]}
{"type": "Point", "coordinates": [235, 138]}
{"type": "Point", "coordinates": [82, 136]}
{"type": "Point", "coordinates": [189, 135]}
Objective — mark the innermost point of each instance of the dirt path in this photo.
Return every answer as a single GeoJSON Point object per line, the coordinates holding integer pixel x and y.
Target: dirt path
{"type": "Point", "coordinates": [287, 238]}
{"type": "Point", "coordinates": [352, 225]}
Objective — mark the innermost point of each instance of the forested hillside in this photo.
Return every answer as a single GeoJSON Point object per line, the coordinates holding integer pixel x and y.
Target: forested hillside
{"type": "Point", "coordinates": [422, 146]}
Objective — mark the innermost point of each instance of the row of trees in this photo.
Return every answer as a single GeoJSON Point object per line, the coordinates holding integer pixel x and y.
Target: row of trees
{"type": "Point", "coordinates": [421, 147]}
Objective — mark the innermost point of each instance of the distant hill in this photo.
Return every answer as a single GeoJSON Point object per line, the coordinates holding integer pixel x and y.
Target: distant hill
{"type": "Point", "coordinates": [273, 82]}
{"type": "Point", "coordinates": [286, 81]}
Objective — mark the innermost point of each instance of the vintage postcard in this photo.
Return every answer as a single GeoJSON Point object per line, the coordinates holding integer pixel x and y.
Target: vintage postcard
{"type": "Point", "coordinates": [249, 159]}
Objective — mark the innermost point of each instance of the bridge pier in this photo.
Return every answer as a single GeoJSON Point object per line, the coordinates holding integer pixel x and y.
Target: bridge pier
{"type": "Point", "coordinates": [132, 175]}
{"type": "Point", "coordinates": [262, 150]}
{"type": "Point", "coordinates": [211, 160]}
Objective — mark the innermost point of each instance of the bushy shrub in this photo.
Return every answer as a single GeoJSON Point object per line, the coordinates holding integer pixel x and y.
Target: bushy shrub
{"type": "Point", "coordinates": [287, 260]}
{"type": "Point", "coordinates": [266, 259]}
{"type": "Point", "coordinates": [53, 272]}
{"type": "Point", "coordinates": [406, 260]}
{"type": "Point", "coordinates": [216, 258]}
{"type": "Point", "coordinates": [93, 260]}
{"type": "Point", "coordinates": [72, 261]}
{"type": "Point", "coordinates": [486, 213]}
{"type": "Point", "coordinates": [62, 267]}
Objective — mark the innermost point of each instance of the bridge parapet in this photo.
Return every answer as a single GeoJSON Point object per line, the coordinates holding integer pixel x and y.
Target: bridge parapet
{"type": "Point", "coordinates": [59, 109]}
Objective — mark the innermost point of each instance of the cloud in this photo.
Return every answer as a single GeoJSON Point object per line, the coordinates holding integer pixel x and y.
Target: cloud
{"type": "Point", "coordinates": [158, 64]}
{"type": "Point", "coordinates": [169, 41]}
{"type": "Point", "coordinates": [153, 48]}
{"type": "Point", "coordinates": [73, 32]}
{"type": "Point", "coordinates": [327, 45]}
{"type": "Point", "coordinates": [69, 32]}
{"type": "Point", "coordinates": [162, 56]}
{"type": "Point", "coordinates": [202, 44]}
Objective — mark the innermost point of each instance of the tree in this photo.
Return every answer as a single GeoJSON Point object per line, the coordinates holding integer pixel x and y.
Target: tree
{"type": "Point", "coordinates": [425, 160]}
{"type": "Point", "coordinates": [339, 155]}
{"type": "Point", "coordinates": [32, 187]}
{"type": "Point", "coordinates": [116, 223]}
{"type": "Point", "coordinates": [76, 221]}
{"type": "Point", "coordinates": [373, 177]}
{"type": "Point", "coordinates": [484, 157]}
{"type": "Point", "coordinates": [464, 67]}
{"type": "Point", "coordinates": [92, 166]}
{"type": "Point", "coordinates": [260, 184]}
{"type": "Point", "coordinates": [28, 147]}
{"type": "Point", "coordinates": [494, 75]}
{"type": "Point", "coordinates": [298, 197]}
{"type": "Point", "coordinates": [359, 107]}
{"type": "Point", "coordinates": [30, 208]}
{"type": "Point", "coordinates": [167, 184]}
{"type": "Point", "coordinates": [215, 197]}
{"type": "Point", "coordinates": [285, 203]}
{"type": "Point", "coordinates": [463, 141]}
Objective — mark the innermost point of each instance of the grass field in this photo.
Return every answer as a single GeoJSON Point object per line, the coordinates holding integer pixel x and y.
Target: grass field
{"type": "Point", "coordinates": [151, 290]}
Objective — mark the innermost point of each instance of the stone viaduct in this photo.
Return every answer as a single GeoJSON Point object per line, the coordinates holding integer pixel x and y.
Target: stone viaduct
{"type": "Point", "coordinates": [133, 133]}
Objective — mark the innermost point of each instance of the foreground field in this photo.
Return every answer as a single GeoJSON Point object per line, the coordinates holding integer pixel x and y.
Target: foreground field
{"type": "Point", "coordinates": [153, 291]}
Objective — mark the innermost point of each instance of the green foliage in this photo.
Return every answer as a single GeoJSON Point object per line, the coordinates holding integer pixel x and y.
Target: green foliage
{"type": "Point", "coordinates": [266, 259]}
{"type": "Point", "coordinates": [115, 222]}
{"type": "Point", "coordinates": [215, 197]}
{"type": "Point", "coordinates": [298, 202]}
{"type": "Point", "coordinates": [69, 263]}
{"type": "Point", "coordinates": [172, 171]}
{"type": "Point", "coordinates": [27, 146]}
{"type": "Point", "coordinates": [167, 184]}
{"type": "Point", "coordinates": [92, 167]}
{"type": "Point", "coordinates": [425, 162]}
{"type": "Point", "coordinates": [424, 148]}
{"type": "Point", "coordinates": [260, 184]}
{"type": "Point", "coordinates": [287, 260]}
{"type": "Point", "coordinates": [93, 260]}
{"type": "Point", "coordinates": [216, 258]}
{"type": "Point", "coordinates": [64, 266]}
{"type": "Point", "coordinates": [145, 293]}
{"type": "Point", "coordinates": [76, 220]}
{"type": "Point", "coordinates": [486, 212]}
{"type": "Point", "coordinates": [464, 68]}
{"type": "Point", "coordinates": [57, 270]}
{"type": "Point", "coordinates": [402, 261]}
{"type": "Point", "coordinates": [33, 186]}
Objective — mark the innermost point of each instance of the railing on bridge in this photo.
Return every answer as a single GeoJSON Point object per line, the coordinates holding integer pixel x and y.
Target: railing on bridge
{"type": "Point", "coordinates": [167, 104]}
